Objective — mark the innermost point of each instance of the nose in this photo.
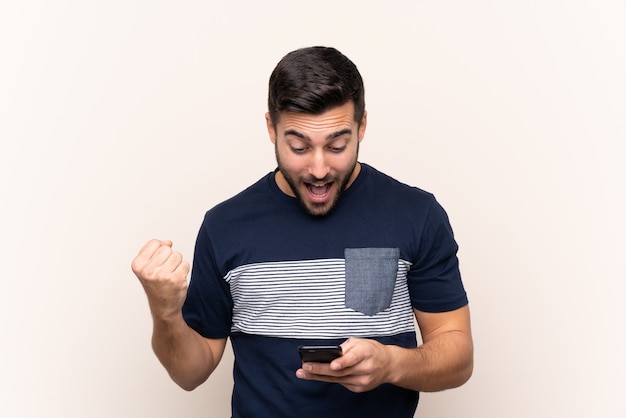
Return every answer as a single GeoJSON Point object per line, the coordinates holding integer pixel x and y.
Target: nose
{"type": "Point", "coordinates": [318, 167]}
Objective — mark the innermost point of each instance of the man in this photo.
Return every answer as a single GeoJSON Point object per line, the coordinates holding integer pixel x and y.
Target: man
{"type": "Point", "coordinates": [324, 250]}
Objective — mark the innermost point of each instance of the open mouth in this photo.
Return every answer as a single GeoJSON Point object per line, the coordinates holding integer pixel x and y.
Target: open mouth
{"type": "Point", "coordinates": [318, 191]}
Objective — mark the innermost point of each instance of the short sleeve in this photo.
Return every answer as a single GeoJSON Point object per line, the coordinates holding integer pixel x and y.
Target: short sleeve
{"type": "Point", "coordinates": [208, 307]}
{"type": "Point", "coordinates": [434, 279]}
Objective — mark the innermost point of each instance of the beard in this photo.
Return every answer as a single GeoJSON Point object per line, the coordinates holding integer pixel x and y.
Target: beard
{"type": "Point", "coordinates": [314, 208]}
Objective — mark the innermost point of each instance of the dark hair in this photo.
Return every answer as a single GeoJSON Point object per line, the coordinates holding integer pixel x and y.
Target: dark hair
{"type": "Point", "coordinates": [314, 80]}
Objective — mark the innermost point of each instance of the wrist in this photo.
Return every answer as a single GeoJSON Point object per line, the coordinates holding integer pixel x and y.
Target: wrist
{"type": "Point", "coordinates": [394, 364]}
{"type": "Point", "coordinates": [403, 363]}
{"type": "Point", "coordinates": [167, 318]}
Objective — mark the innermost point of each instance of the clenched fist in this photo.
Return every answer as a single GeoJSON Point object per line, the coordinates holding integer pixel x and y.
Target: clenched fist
{"type": "Point", "coordinates": [163, 275]}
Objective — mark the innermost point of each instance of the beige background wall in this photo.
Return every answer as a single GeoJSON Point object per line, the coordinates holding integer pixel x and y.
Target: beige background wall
{"type": "Point", "coordinates": [125, 120]}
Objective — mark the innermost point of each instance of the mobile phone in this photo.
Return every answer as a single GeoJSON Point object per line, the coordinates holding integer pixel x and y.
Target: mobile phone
{"type": "Point", "coordinates": [319, 353]}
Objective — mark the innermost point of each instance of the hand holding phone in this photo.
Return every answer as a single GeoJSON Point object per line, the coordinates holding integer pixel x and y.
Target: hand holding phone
{"type": "Point", "coordinates": [319, 353]}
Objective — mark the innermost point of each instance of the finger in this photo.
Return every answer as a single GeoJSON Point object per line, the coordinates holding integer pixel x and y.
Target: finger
{"type": "Point", "coordinates": [149, 249]}
{"type": "Point", "coordinates": [308, 375]}
{"type": "Point", "coordinates": [173, 261]}
{"type": "Point", "coordinates": [326, 375]}
{"type": "Point", "coordinates": [350, 355]}
{"type": "Point", "coordinates": [322, 370]}
{"type": "Point", "coordinates": [144, 255]}
{"type": "Point", "coordinates": [161, 255]}
{"type": "Point", "coordinates": [349, 344]}
{"type": "Point", "coordinates": [183, 269]}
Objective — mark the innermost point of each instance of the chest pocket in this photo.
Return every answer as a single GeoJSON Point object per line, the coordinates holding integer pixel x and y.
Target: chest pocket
{"type": "Point", "coordinates": [370, 278]}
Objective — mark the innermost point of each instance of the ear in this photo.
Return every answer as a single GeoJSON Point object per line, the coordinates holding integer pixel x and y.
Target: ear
{"type": "Point", "coordinates": [362, 126]}
{"type": "Point", "coordinates": [270, 128]}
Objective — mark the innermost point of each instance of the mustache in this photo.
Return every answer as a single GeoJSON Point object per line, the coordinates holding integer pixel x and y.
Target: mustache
{"type": "Point", "coordinates": [311, 179]}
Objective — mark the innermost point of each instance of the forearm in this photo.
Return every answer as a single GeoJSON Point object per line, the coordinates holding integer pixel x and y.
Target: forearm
{"type": "Point", "coordinates": [185, 354]}
{"type": "Point", "coordinates": [188, 357]}
{"type": "Point", "coordinates": [442, 363]}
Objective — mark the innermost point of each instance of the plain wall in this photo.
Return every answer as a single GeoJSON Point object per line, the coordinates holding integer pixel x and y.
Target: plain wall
{"type": "Point", "coordinates": [121, 121]}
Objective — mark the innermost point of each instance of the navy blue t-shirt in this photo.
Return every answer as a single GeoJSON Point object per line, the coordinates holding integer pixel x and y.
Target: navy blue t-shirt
{"type": "Point", "coordinates": [271, 277]}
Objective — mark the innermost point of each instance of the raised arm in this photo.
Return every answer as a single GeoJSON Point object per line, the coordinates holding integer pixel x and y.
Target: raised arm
{"type": "Point", "coordinates": [188, 357]}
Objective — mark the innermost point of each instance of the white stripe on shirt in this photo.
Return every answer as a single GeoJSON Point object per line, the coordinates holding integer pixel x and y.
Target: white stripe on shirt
{"type": "Point", "coordinates": [305, 299]}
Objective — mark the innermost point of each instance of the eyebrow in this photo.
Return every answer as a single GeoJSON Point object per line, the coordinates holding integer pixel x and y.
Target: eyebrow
{"type": "Point", "coordinates": [328, 138]}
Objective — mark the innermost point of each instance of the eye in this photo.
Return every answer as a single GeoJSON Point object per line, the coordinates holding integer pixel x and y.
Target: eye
{"type": "Point", "coordinates": [298, 150]}
{"type": "Point", "coordinates": [337, 150]}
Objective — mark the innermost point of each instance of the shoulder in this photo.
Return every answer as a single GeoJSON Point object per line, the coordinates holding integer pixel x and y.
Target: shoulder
{"type": "Point", "coordinates": [395, 192]}
{"type": "Point", "coordinates": [374, 177]}
{"type": "Point", "coordinates": [241, 203]}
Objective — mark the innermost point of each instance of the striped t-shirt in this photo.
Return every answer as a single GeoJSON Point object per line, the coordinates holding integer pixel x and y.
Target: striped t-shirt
{"type": "Point", "coordinates": [272, 277]}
